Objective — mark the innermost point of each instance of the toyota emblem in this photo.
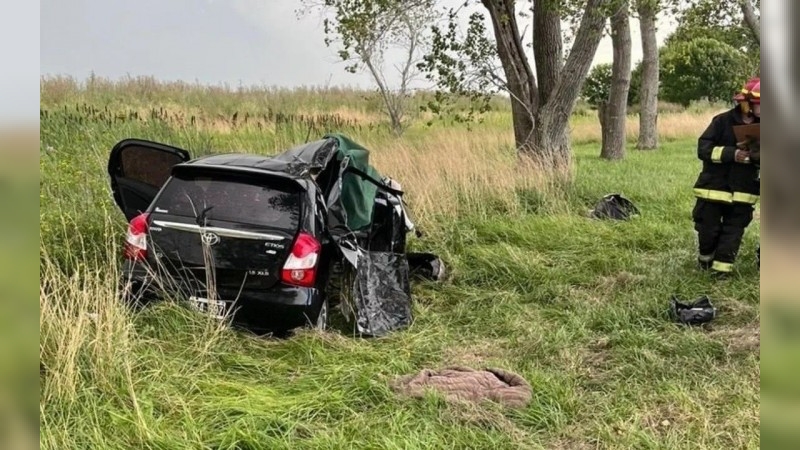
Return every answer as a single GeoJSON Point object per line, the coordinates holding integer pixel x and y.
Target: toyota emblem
{"type": "Point", "coordinates": [210, 238]}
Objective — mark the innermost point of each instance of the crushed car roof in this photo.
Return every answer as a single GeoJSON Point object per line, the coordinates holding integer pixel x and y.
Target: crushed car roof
{"type": "Point", "coordinates": [297, 161]}
{"type": "Point", "coordinates": [352, 197]}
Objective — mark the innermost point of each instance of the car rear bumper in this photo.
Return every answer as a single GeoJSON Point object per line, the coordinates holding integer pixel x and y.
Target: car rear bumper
{"type": "Point", "coordinates": [282, 307]}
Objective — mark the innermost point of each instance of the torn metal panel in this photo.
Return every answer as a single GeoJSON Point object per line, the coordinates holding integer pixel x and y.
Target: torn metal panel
{"type": "Point", "coordinates": [382, 293]}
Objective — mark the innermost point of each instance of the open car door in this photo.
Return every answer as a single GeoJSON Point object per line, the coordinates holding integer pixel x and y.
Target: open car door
{"type": "Point", "coordinates": [138, 169]}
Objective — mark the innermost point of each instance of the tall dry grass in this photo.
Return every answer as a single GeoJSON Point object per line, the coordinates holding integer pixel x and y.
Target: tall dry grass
{"type": "Point", "coordinates": [451, 173]}
{"type": "Point", "coordinates": [671, 127]}
{"type": "Point", "coordinates": [447, 171]}
{"type": "Point", "coordinates": [85, 333]}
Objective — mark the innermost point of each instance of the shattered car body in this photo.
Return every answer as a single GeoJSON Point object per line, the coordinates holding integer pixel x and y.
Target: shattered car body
{"type": "Point", "coordinates": [262, 239]}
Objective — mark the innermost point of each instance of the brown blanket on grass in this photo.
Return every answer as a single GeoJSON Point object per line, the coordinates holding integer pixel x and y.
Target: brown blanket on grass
{"type": "Point", "coordinates": [467, 384]}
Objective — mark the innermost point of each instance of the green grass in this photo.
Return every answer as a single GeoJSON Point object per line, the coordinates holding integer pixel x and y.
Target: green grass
{"type": "Point", "coordinates": [577, 307]}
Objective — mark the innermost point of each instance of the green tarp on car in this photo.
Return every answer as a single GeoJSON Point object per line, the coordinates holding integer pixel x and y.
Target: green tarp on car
{"type": "Point", "coordinates": [341, 168]}
{"type": "Point", "coordinates": [358, 194]}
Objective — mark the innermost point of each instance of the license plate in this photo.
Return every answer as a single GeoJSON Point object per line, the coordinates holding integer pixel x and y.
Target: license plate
{"type": "Point", "coordinates": [215, 308]}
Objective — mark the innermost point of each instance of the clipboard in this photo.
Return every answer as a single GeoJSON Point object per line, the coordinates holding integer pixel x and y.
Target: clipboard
{"type": "Point", "coordinates": [743, 132]}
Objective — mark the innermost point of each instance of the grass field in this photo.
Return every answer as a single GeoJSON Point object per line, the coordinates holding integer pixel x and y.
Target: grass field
{"type": "Point", "coordinates": [577, 307]}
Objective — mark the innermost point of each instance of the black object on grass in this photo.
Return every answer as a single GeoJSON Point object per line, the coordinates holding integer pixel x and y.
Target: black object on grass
{"type": "Point", "coordinates": [697, 313]}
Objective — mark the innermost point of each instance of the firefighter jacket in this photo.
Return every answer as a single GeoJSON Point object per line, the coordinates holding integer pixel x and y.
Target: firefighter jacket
{"type": "Point", "coordinates": [722, 179]}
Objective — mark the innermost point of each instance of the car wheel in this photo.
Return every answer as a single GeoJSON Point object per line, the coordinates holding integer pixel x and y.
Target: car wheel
{"type": "Point", "coordinates": [322, 318]}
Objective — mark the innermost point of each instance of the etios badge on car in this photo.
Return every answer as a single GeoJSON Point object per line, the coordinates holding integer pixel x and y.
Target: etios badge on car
{"type": "Point", "coordinates": [209, 238]}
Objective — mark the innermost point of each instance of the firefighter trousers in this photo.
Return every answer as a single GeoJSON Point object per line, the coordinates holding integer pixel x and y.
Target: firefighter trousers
{"type": "Point", "coordinates": [720, 228]}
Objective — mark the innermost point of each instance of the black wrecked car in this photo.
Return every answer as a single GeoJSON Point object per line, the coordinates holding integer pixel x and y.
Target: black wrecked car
{"type": "Point", "coordinates": [270, 242]}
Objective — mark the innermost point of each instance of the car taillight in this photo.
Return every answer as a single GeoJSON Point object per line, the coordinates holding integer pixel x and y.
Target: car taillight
{"type": "Point", "coordinates": [301, 266]}
{"type": "Point", "coordinates": [136, 240]}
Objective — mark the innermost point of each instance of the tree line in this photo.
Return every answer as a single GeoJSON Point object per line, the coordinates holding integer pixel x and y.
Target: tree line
{"type": "Point", "coordinates": [539, 53]}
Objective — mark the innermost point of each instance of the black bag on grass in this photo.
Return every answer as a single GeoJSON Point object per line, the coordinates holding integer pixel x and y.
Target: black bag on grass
{"type": "Point", "coordinates": [696, 313]}
{"type": "Point", "coordinates": [614, 206]}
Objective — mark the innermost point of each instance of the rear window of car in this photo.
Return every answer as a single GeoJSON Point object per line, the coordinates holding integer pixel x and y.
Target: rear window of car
{"type": "Point", "coordinates": [232, 199]}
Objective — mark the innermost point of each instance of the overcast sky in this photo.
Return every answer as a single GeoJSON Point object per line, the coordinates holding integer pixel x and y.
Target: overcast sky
{"type": "Point", "coordinates": [19, 66]}
{"type": "Point", "coordinates": [210, 41]}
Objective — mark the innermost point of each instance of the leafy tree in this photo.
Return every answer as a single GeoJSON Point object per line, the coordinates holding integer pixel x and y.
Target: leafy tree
{"type": "Point", "coordinates": [597, 86]}
{"type": "Point", "coordinates": [366, 30]}
{"type": "Point", "coordinates": [724, 21]}
{"type": "Point", "coordinates": [698, 69]}
{"type": "Point", "coordinates": [478, 65]}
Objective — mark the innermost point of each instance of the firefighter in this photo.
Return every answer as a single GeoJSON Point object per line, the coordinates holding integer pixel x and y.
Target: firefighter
{"type": "Point", "coordinates": [728, 187]}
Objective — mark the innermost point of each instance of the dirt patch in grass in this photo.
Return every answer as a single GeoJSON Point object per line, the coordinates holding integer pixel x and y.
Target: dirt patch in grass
{"type": "Point", "coordinates": [595, 361]}
{"type": "Point", "coordinates": [741, 340]}
{"type": "Point", "coordinates": [663, 417]}
{"type": "Point", "coordinates": [574, 437]}
{"type": "Point", "coordinates": [477, 355]}
{"type": "Point", "coordinates": [485, 416]}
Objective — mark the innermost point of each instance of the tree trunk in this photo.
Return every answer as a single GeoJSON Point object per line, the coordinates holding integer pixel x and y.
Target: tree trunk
{"type": "Point", "coordinates": [548, 46]}
{"type": "Point", "coordinates": [541, 128]}
{"type": "Point", "coordinates": [648, 101]}
{"type": "Point", "coordinates": [548, 52]}
{"type": "Point", "coordinates": [551, 139]}
{"type": "Point", "coordinates": [616, 113]}
{"type": "Point", "coordinates": [396, 120]}
{"type": "Point", "coordinates": [601, 115]}
{"type": "Point", "coordinates": [521, 83]}
{"type": "Point", "coordinates": [751, 19]}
